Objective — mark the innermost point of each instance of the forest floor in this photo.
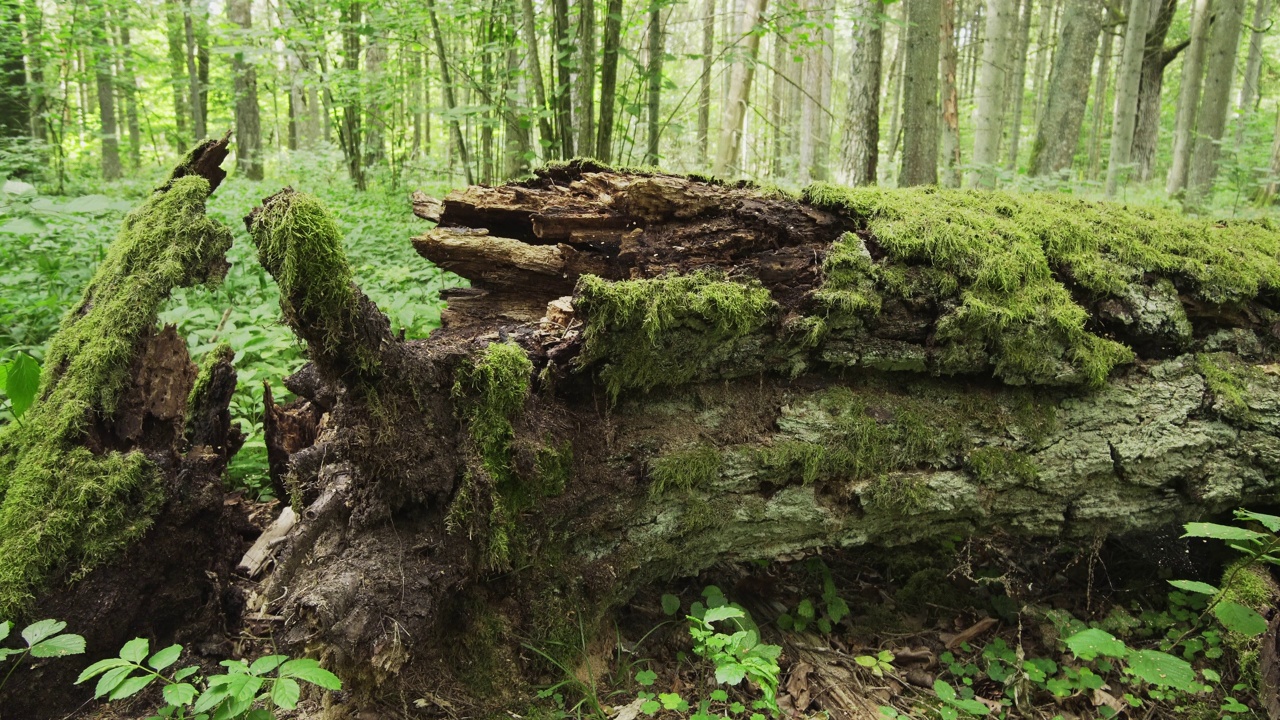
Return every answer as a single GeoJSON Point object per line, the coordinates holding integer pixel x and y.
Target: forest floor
{"type": "Point", "coordinates": [893, 636]}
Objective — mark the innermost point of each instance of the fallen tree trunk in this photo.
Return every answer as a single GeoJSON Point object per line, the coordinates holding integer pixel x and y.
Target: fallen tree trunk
{"type": "Point", "coordinates": [652, 374]}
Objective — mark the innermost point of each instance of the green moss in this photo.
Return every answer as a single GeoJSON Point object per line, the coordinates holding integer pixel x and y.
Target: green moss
{"type": "Point", "coordinates": [1227, 378]}
{"type": "Point", "coordinates": [490, 394]}
{"type": "Point", "coordinates": [64, 509]}
{"type": "Point", "coordinates": [695, 466]}
{"type": "Point", "coordinates": [300, 245]}
{"type": "Point", "coordinates": [666, 331]}
{"type": "Point", "coordinates": [222, 353]}
{"type": "Point", "coordinates": [848, 293]}
{"type": "Point", "coordinates": [900, 493]}
{"type": "Point", "coordinates": [1250, 585]}
{"type": "Point", "coordinates": [994, 465]}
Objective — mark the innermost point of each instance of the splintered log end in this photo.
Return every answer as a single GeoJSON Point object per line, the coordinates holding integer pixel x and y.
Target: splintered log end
{"type": "Point", "coordinates": [426, 207]}
{"type": "Point", "coordinates": [493, 261]}
{"type": "Point", "coordinates": [204, 160]}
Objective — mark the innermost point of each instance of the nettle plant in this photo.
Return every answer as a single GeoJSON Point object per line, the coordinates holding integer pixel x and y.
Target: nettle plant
{"type": "Point", "coordinates": [252, 691]}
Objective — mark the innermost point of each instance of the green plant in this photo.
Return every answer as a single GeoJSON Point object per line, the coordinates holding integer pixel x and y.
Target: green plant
{"type": "Point", "coordinates": [44, 639]}
{"type": "Point", "coordinates": [252, 691]}
{"type": "Point", "coordinates": [737, 655]}
{"type": "Point", "coordinates": [20, 379]}
{"type": "Point", "coordinates": [834, 608]}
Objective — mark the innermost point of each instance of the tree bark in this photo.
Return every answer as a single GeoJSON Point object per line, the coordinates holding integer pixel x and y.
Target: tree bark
{"type": "Point", "coordinates": [1189, 98]}
{"type": "Point", "coordinates": [245, 85]}
{"type": "Point", "coordinates": [1215, 104]}
{"type": "Point", "coordinates": [562, 67]}
{"type": "Point", "coordinates": [15, 116]}
{"type": "Point", "coordinates": [729, 144]}
{"type": "Point", "coordinates": [920, 95]}
{"type": "Point", "coordinates": [1068, 89]}
{"type": "Point", "coordinates": [349, 133]}
{"type": "Point", "coordinates": [1097, 124]}
{"type": "Point", "coordinates": [895, 87]}
{"type": "Point", "coordinates": [1019, 85]}
{"type": "Point", "coordinates": [1252, 66]}
{"type": "Point", "coordinates": [1156, 57]}
{"type": "Point", "coordinates": [1127, 80]}
{"type": "Point", "coordinates": [989, 100]}
{"type": "Point", "coordinates": [193, 21]}
{"type": "Point", "coordinates": [129, 88]}
{"type": "Point", "coordinates": [546, 134]}
{"type": "Point", "coordinates": [103, 65]}
{"type": "Point", "coordinates": [861, 146]}
{"type": "Point", "coordinates": [586, 90]}
{"type": "Point", "coordinates": [37, 59]}
{"type": "Point", "coordinates": [950, 100]}
{"type": "Point", "coordinates": [704, 79]}
{"type": "Point", "coordinates": [653, 79]}
{"type": "Point", "coordinates": [608, 79]}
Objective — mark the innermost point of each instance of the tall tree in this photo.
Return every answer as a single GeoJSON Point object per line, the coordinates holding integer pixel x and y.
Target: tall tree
{"type": "Point", "coordinates": [1271, 189]}
{"type": "Point", "coordinates": [450, 100]}
{"type": "Point", "coordinates": [1215, 103]}
{"type": "Point", "coordinates": [128, 84]}
{"type": "Point", "coordinates": [1098, 124]}
{"type": "Point", "coordinates": [861, 143]}
{"type": "Point", "coordinates": [562, 66]}
{"type": "Point", "coordinates": [1252, 65]}
{"type": "Point", "coordinates": [1189, 97]}
{"type": "Point", "coordinates": [1018, 83]}
{"type": "Point", "coordinates": [729, 144]}
{"type": "Point", "coordinates": [608, 79]}
{"type": "Point", "coordinates": [1126, 108]}
{"type": "Point", "coordinates": [195, 88]}
{"type": "Point", "coordinates": [103, 65]}
{"type": "Point", "coordinates": [15, 120]}
{"type": "Point", "coordinates": [1068, 88]}
{"type": "Point", "coordinates": [349, 133]}
{"type": "Point", "coordinates": [704, 80]}
{"type": "Point", "coordinates": [989, 99]}
{"type": "Point", "coordinates": [1155, 58]}
{"type": "Point", "coordinates": [950, 99]}
{"type": "Point", "coordinates": [654, 82]}
{"type": "Point", "coordinates": [546, 134]}
{"type": "Point", "coordinates": [245, 88]}
{"type": "Point", "coordinates": [586, 90]}
{"type": "Point", "coordinates": [920, 95]}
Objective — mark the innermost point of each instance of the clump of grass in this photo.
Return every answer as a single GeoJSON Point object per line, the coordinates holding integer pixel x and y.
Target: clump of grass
{"type": "Point", "coordinates": [685, 468]}
{"type": "Point", "coordinates": [63, 508]}
{"type": "Point", "coordinates": [666, 331]}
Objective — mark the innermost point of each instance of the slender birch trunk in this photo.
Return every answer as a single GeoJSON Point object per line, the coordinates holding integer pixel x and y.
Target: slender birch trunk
{"type": "Point", "coordinates": [1126, 107]}
{"type": "Point", "coordinates": [729, 144]}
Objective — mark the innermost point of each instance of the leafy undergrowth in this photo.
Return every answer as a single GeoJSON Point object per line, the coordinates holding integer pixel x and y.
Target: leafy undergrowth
{"type": "Point", "coordinates": [1003, 632]}
{"type": "Point", "coordinates": [49, 247]}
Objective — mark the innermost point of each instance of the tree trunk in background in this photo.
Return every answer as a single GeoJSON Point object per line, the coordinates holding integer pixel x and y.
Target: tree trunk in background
{"type": "Point", "coordinates": [989, 99]}
{"type": "Point", "coordinates": [896, 68]}
{"type": "Point", "coordinates": [704, 80]}
{"type": "Point", "coordinates": [1215, 103]}
{"type": "Point", "coordinates": [450, 100]}
{"type": "Point", "coordinates": [15, 118]}
{"type": "Point", "coordinates": [861, 145]}
{"type": "Point", "coordinates": [822, 144]}
{"type": "Point", "coordinates": [102, 64]}
{"type": "Point", "coordinates": [1044, 39]}
{"type": "Point", "coordinates": [809, 79]}
{"type": "Point", "coordinates": [1018, 86]}
{"type": "Point", "coordinates": [654, 83]}
{"type": "Point", "coordinates": [777, 129]}
{"type": "Point", "coordinates": [1268, 192]}
{"type": "Point", "coordinates": [375, 56]}
{"type": "Point", "coordinates": [1126, 108]}
{"type": "Point", "coordinates": [1252, 66]}
{"type": "Point", "coordinates": [546, 134]}
{"type": "Point", "coordinates": [349, 132]}
{"type": "Point", "coordinates": [1155, 58]}
{"type": "Point", "coordinates": [920, 95]}
{"type": "Point", "coordinates": [950, 100]}
{"type": "Point", "coordinates": [608, 79]}
{"type": "Point", "coordinates": [729, 144]}
{"type": "Point", "coordinates": [561, 66]}
{"type": "Point", "coordinates": [586, 92]}
{"type": "Point", "coordinates": [177, 69]}
{"type": "Point", "coordinates": [195, 90]}
{"type": "Point", "coordinates": [1189, 97]}
{"type": "Point", "coordinates": [1098, 124]}
{"type": "Point", "coordinates": [516, 136]}
{"type": "Point", "coordinates": [129, 89]}
{"type": "Point", "coordinates": [245, 86]}
{"type": "Point", "coordinates": [1068, 89]}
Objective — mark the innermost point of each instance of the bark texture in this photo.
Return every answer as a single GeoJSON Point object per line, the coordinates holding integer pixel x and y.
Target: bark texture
{"type": "Point", "coordinates": [1215, 103]}
{"type": "Point", "coordinates": [1059, 129]}
{"type": "Point", "coordinates": [861, 146]}
{"type": "Point", "coordinates": [920, 95]}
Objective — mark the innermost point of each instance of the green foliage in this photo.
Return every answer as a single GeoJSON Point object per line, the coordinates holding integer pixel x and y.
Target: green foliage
{"type": "Point", "coordinates": [666, 331]}
{"type": "Point", "coordinates": [63, 506]}
{"type": "Point", "coordinates": [20, 379]}
{"type": "Point", "coordinates": [833, 607]}
{"type": "Point", "coordinates": [252, 691]}
{"type": "Point", "coordinates": [695, 466]}
{"type": "Point", "coordinates": [43, 639]}
{"type": "Point", "coordinates": [737, 655]}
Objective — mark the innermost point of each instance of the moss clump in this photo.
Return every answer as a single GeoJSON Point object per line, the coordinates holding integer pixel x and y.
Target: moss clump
{"type": "Point", "coordinates": [1248, 584]}
{"type": "Point", "coordinates": [666, 331]}
{"type": "Point", "coordinates": [553, 466]}
{"type": "Point", "coordinates": [686, 468]}
{"type": "Point", "coordinates": [63, 508]}
{"type": "Point", "coordinates": [1002, 466]}
{"type": "Point", "coordinates": [491, 393]}
{"type": "Point", "coordinates": [1227, 378]}
{"type": "Point", "coordinates": [848, 290]}
{"type": "Point", "coordinates": [222, 353]}
{"type": "Point", "coordinates": [300, 245]}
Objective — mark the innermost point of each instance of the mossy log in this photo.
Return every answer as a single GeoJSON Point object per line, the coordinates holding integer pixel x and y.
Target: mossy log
{"type": "Point", "coordinates": [651, 374]}
{"type": "Point", "coordinates": [112, 512]}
